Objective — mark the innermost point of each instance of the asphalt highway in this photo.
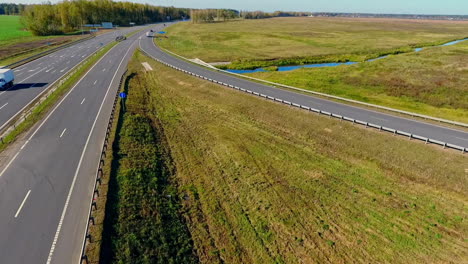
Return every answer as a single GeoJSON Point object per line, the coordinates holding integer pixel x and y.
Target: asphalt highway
{"type": "Point", "coordinates": [428, 130]}
{"type": "Point", "coordinates": [46, 186]}
{"type": "Point", "coordinates": [33, 78]}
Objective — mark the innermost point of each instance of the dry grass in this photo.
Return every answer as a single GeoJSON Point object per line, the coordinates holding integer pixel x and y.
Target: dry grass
{"type": "Point", "coordinates": [280, 38]}
{"type": "Point", "coordinates": [264, 183]}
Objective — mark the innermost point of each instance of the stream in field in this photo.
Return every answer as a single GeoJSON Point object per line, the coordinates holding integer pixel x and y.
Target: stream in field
{"type": "Point", "coordinates": [331, 64]}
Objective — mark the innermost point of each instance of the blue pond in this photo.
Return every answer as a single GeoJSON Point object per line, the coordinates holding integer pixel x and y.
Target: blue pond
{"type": "Point", "coordinates": [331, 64]}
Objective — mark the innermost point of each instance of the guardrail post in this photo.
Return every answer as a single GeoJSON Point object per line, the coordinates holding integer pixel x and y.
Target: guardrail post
{"type": "Point", "coordinates": [101, 162]}
{"type": "Point", "coordinates": [93, 204]}
{"type": "Point", "coordinates": [96, 193]}
{"type": "Point", "coordinates": [91, 219]}
{"type": "Point", "coordinates": [88, 236]}
{"type": "Point", "coordinates": [410, 136]}
{"type": "Point", "coordinates": [427, 141]}
{"type": "Point", "coordinates": [84, 258]}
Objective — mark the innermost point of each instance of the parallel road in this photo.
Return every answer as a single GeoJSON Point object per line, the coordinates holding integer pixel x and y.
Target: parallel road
{"type": "Point", "coordinates": [46, 187]}
{"type": "Point", "coordinates": [33, 78]}
{"type": "Point", "coordinates": [428, 130]}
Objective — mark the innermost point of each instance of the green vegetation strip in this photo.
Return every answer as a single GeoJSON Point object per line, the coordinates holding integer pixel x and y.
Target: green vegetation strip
{"type": "Point", "coordinates": [39, 112]}
{"type": "Point", "coordinates": [263, 183]}
{"type": "Point", "coordinates": [142, 221]}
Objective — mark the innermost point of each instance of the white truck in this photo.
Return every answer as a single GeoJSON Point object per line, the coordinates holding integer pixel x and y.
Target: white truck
{"type": "Point", "coordinates": [150, 33]}
{"type": "Point", "coordinates": [6, 78]}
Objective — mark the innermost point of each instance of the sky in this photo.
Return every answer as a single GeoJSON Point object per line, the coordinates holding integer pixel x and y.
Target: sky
{"type": "Point", "coordinates": [446, 7]}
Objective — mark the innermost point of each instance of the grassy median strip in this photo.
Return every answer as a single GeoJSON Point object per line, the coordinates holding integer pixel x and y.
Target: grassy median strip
{"type": "Point", "coordinates": [142, 220]}
{"type": "Point", "coordinates": [39, 112]}
{"type": "Point", "coordinates": [263, 183]}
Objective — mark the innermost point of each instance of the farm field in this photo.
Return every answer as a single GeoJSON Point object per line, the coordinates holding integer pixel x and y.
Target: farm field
{"type": "Point", "coordinates": [327, 39]}
{"type": "Point", "coordinates": [258, 182]}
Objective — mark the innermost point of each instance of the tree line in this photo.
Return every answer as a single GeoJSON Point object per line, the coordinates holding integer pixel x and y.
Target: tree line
{"type": "Point", "coordinates": [214, 15]}
{"type": "Point", "coordinates": [11, 9]}
{"type": "Point", "coordinates": [261, 14]}
{"type": "Point", "coordinates": [68, 16]}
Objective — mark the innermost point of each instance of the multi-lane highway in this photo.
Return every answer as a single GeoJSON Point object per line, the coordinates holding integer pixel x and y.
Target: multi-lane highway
{"type": "Point", "coordinates": [428, 130]}
{"type": "Point", "coordinates": [33, 78]}
{"type": "Point", "coordinates": [46, 186]}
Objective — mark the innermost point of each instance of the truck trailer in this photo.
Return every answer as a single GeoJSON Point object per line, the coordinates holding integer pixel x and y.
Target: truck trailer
{"type": "Point", "coordinates": [6, 78]}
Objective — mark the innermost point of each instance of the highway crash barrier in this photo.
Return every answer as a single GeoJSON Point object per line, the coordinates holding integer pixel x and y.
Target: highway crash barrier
{"type": "Point", "coordinates": [332, 115]}
{"type": "Point", "coordinates": [441, 120]}
{"type": "Point", "coordinates": [42, 54]}
{"type": "Point", "coordinates": [99, 174]}
{"type": "Point", "coordinates": [27, 110]}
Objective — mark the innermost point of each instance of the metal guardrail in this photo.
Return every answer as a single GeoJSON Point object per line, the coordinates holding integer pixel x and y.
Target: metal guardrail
{"type": "Point", "coordinates": [22, 114]}
{"type": "Point", "coordinates": [41, 54]}
{"type": "Point", "coordinates": [87, 236]}
{"type": "Point", "coordinates": [318, 111]}
{"type": "Point", "coordinates": [412, 114]}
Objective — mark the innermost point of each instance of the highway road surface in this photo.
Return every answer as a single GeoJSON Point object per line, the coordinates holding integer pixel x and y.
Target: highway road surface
{"type": "Point", "coordinates": [428, 130]}
{"type": "Point", "coordinates": [46, 186]}
{"type": "Point", "coordinates": [33, 78]}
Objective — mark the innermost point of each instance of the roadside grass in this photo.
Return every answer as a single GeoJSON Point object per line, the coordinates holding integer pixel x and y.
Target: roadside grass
{"type": "Point", "coordinates": [39, 112]}
{"type": "Point", "coordinates": [142, 219]}
{"type": "Point", "coordinates": [287, 41]}
{"type": "Point", "coordinates": [431, 82]}
{"type": "Point", "coordinates": [263, 183]}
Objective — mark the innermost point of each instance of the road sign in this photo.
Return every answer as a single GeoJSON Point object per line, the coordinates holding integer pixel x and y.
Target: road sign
{"type": "Point", "coordinates": [122, 95]}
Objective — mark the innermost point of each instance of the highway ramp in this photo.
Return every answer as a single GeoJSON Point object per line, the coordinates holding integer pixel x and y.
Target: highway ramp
{"type": "Point", "coordinates": [429, 130]}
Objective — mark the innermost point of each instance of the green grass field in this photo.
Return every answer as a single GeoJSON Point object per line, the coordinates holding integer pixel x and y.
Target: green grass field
{"type": "Point", "coordinates": [12, 30]}
{"type": "Point", "coordinates": [280, 38]}
{"type": "Point", "coordinates": [259, 182]}
{"type": "Point", "coordinates": [17, 43]}
{"type": "Point", "coordinates": [432, 82]}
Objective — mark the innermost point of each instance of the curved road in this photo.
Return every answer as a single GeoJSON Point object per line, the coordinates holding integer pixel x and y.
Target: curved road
{"type": "Point", "coordinates": [428, 130]}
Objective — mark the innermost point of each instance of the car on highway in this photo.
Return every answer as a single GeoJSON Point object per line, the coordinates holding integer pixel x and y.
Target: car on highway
{"type": "Point", "coordinates": [7, 78]}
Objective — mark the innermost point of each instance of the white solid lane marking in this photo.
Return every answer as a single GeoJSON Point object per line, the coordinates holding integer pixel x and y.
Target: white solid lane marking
{"type": "Point", "coordinates": [63, 132]}
{"type": "Point", "coordinates": [3, 105]}
{"type": "Point", "coordinates": [95, 82]}
{"type": "Point", "coordinates": [83, 100]}
{"type": "Point", "coordinates": [22, 204]}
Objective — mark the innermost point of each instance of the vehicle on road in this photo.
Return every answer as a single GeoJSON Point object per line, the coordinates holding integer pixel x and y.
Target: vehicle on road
{"type": "Point", "coordinates": [6, 78]}
{"type": "Point", "coordinates": [149, 34]}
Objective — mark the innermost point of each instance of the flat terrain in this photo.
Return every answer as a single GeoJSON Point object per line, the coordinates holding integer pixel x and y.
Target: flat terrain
{"type": "Point", "coordinates": [16, 42]}
{"type": "Point", "coordinates": [259, 182]}
{"type": "Point", "coordinates": [280, 38]}
{"type": "Point", "coordinates": [432, 81]}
